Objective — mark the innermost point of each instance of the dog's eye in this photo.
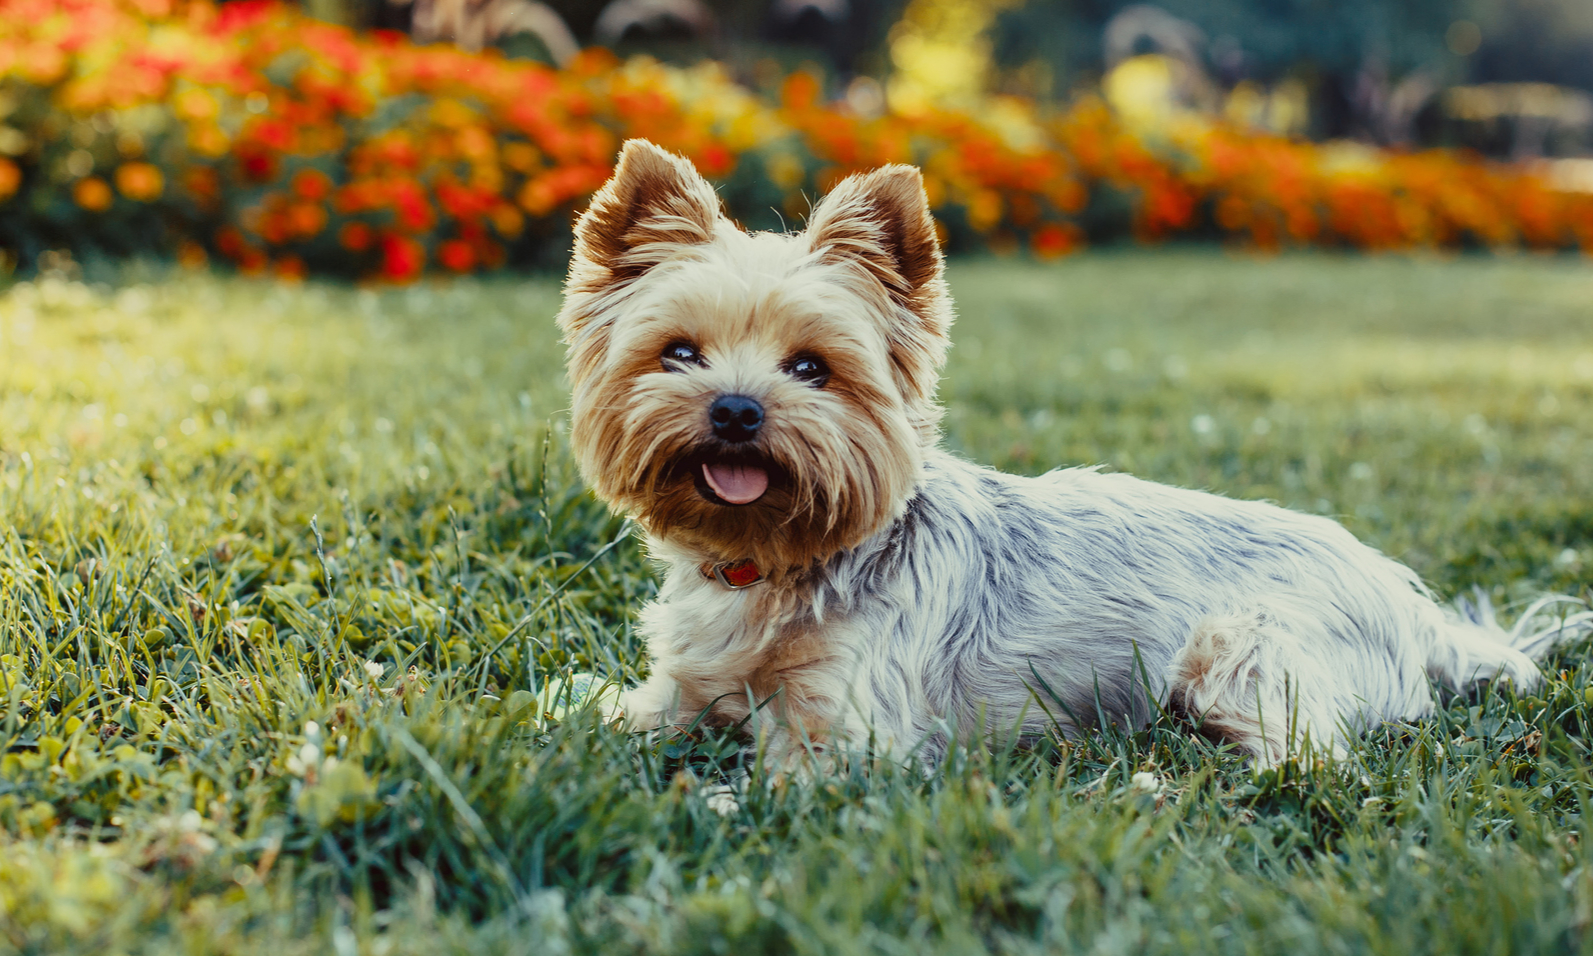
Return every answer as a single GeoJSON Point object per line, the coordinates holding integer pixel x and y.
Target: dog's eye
{"type": "Point", "coordinates": [810, 369]}
{"type": "Point", "coordinates": [680, 353]}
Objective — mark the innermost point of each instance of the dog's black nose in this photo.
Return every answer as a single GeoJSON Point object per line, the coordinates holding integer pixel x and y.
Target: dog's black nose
{"type": "Point", "coordinates": [735, 418]}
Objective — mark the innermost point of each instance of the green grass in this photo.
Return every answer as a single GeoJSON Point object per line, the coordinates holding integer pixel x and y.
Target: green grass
{"type": "Point", "coordinates": [247, 527]}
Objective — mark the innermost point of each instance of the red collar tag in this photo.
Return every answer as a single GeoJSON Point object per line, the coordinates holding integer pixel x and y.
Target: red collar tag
{"type": "Point", "coordinates": [735, 575]}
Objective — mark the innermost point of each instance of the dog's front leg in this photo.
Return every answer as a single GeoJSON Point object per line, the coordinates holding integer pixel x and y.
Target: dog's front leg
{"type": "Point", "coordinates": [651, 704]}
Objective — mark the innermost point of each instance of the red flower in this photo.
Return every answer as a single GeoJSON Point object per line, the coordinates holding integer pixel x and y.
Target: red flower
{"type": "Point", "coordinates": [1052, 240]}
{"type": "Point", "coordinates": [258, 165]}
{"type": "Point", "coordinates": [354, 236]}
{"type": "Point", "coordinates": [456, 255]}
{"type": "Point", "coordinates": [403, 258]}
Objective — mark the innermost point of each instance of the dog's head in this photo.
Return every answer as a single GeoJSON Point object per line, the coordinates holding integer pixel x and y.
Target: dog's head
{"type": "Point", "coordinates": [756, 396]}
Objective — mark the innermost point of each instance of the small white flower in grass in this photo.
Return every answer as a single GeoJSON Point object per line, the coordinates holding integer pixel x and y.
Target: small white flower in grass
{"type": "Point", "coordinates": [1569, 558]}
{"type": "Point", "coordinates": [1203, 424]}
{"type": "Point", "coordinates": [1146, 782]}
{"type": "Point", "coordinates": [305, 760]}
{"type": "Point", "coordinates": [312, 729]}
{"type": "Point", "coordinates": [1361, 471]}
{"type": "Point", "coordinates": [375, 669]}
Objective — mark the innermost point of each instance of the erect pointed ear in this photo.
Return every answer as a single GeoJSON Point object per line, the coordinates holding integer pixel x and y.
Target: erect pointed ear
{"type": "Point", "coordinates": [654, 199]}
{"type": "Point", "coordinates": [881, 220]}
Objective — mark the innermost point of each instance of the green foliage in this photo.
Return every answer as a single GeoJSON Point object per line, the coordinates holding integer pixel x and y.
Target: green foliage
{"type": "Point", "coordinates": [1271, 37]}
{"type": "Point", "coordinates": [282, 568]}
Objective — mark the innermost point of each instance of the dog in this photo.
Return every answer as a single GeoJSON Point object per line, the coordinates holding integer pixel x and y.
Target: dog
{"type": "Point", "coordinates": [763, 405]}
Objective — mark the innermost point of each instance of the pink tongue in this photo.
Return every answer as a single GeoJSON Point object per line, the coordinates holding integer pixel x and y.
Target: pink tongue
{"type": "Point", "coordinates": [737, 484]}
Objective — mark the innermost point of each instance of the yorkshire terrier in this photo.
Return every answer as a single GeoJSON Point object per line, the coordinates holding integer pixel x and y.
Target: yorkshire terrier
{"type": "Point", "coordinates": [764, 406]}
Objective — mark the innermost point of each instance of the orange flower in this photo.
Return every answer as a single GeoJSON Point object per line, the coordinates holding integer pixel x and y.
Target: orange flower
{"type": "Point", "coordinates": [191, 255]}
{"type": "Point", "coordinates": [230, 241]}
{"type": "Point", "coordinates": [520, 157]}
{"type": "Point", "coordinates": [10, 179]}
{"type": "Point", "coordinates": [1051, 240]}
{"type": "Point", "coordinates": [305, 219]}
{"type": "Point", "coordinates": [800, 91]}
{"type": "Point", "coordinates": [93, 194]}
{"type": "Point", "coordinates": [253, 262]}
{"type": "Point", "coordinates": [208, 139]}
{"type": "Point", "coordinates": [475, 143]}
{"type": "Point", "coordinates": [312, 184]}
{"type": "Point", "coordinates": [289, 268]}
{"type": "Point", "coordinates": [507, 220]}
{"type": "Point", "coordinates": [141, 182]}
{"type": "Point", "coordinates": [203, 182]}
{"type": "Point", "coordinates": [984, 210]}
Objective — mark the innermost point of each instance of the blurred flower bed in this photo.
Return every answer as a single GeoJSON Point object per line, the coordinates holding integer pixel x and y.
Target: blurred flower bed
{"type": "Point", "coordinates": [288, 145]}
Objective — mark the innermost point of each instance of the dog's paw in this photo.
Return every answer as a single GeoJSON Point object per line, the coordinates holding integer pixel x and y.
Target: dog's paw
{"type": "Point", "coordinates": [647, 707]}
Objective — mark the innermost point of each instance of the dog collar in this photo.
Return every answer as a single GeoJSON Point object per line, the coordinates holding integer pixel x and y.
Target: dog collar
{"type": "Point", "coordinates": [734, 575]}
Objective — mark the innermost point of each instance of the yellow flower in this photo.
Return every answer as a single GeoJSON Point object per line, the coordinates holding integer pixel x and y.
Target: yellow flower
{"type": "Point", "coordinates": [208, 139]}
{"type": "Point", "coordinates": [196, 104]}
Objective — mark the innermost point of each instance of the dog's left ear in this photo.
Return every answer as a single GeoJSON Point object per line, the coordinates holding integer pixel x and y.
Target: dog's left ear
{"type": "Point", "coordinates": [881, 221]}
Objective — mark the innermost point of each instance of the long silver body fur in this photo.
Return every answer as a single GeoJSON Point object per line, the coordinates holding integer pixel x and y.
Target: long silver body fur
{"type": "Point", "coordinates": [1078, 597]}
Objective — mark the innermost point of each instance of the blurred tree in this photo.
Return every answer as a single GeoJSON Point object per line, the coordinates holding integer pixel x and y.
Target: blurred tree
{"type": "Point", "coordinates": [1258, 39]}
{"type": "Point", "coordinates": [1371, 66]}
{"type": "Point", "coordinates": [472, 24]}
{"type": "Point", "coordinates": [1532, 41]}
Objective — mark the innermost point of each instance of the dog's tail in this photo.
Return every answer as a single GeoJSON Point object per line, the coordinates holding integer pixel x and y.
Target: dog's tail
{"type": "Point", "coordinates": [1548, 623]}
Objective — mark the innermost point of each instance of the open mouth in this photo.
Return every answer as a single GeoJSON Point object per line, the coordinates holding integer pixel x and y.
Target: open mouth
{"type": "Point", "coordinates": [730, 479]}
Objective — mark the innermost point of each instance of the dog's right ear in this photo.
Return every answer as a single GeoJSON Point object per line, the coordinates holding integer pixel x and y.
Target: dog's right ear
{"type": "Point", "coordinates": [654, 203]}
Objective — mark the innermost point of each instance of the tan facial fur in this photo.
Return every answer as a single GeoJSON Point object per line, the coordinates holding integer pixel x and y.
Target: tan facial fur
{"type": "Point", "coordinates": [657, 265]}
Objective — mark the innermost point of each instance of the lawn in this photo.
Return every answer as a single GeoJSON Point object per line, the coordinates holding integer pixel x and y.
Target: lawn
{"type": "Point", "coordinates": [280, 567]}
